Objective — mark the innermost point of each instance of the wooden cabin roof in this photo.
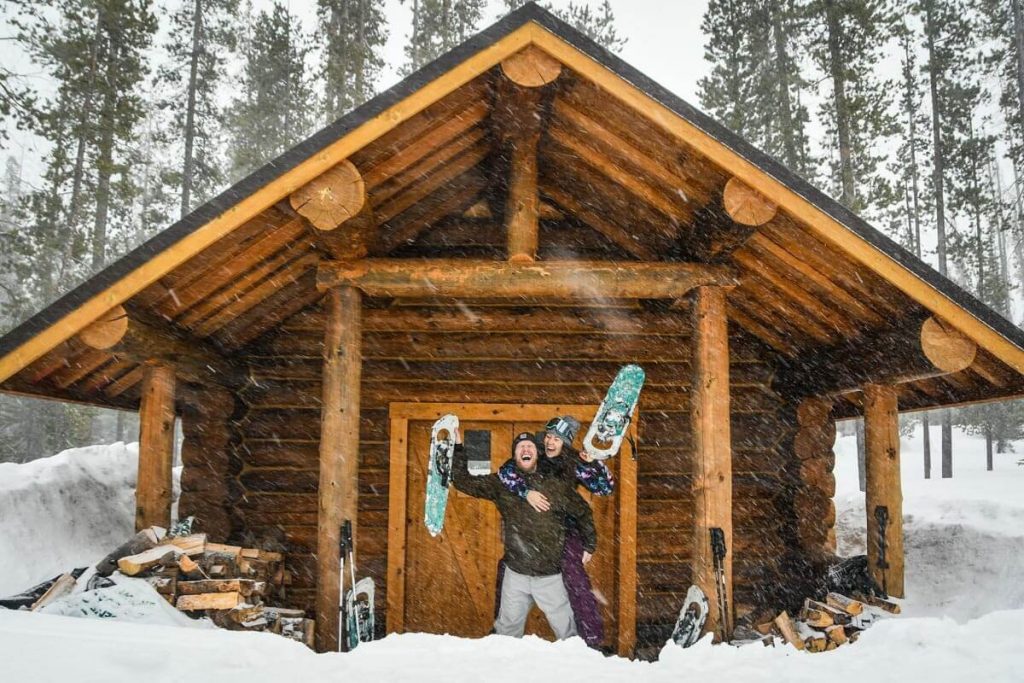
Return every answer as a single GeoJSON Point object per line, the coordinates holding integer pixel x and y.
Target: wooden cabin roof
{"type": "Point", "coordinates": [627, 172]}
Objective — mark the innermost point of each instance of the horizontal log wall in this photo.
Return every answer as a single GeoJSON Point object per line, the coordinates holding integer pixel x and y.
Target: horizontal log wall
{"type": "Point", "coordinates": [495, 355]}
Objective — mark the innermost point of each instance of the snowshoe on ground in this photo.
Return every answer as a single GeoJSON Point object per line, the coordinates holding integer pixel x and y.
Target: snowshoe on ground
{"type": "Point", "coordinates": [359, 622]}
{"type": "Point", "coordinates": [693, 615]}
{"type": "Point", "coordinates": [604, 438]}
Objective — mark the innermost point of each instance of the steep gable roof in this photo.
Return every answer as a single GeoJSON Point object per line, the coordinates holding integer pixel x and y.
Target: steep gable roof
{"type": "Point", "coordinates": [829, 222]}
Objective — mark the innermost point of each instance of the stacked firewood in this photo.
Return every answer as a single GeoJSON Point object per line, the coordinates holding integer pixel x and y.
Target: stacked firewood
{"type": "Point", "coordinates": [823, 626]}
{"type": "Point", "coordinates": [227, 583]}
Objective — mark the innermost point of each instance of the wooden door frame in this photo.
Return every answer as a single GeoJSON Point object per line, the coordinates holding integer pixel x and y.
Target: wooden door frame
{"type": "Point", "coordinates": [400, 414]}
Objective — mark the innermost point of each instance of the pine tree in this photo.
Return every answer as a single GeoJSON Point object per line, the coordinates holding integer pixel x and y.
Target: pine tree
{"type": "Point", "coordinates": [598, 24]}
{"type": "Point", "coordinates": [1003, 27]}
{"type": "Point", "coordinates": [755, 84]}
{"type": "Point", "coordinates": [437, 27]}
{"type": "Point", "coordinates": [353, 33]}
{"type": "Point", "coordinates": [274, 109]}
{"type": "Point", "coordinates": [202, 36]}
{"type": "Point", "coordinates": [847, 40]}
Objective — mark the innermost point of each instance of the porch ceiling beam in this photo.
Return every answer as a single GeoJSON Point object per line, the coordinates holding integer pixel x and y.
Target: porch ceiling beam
{"type": "Point", "coordinates": [496, 279]}
{"type": "Point", "coordinates": [127, 336]}
{"type": "Point", "coordinates": [916, 350]}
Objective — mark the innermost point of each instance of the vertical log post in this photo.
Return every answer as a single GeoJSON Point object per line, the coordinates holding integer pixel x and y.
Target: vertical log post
{"type": "Point", "coordinates": [153, 488]}
{"type": "Point", "coordinates": [339, 454]}
{"type": "Point", "coordinates": [522, 209]}
{"type": "Point", "coordinates": [881, 432]}
{"type": "Point", "coordinates": [712, 457]}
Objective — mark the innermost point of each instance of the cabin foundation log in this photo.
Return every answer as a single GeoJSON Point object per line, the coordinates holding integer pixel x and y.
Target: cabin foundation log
{"type": "Point", "coordinates": [465, 278]}
{"type": "Point", "coordinates": [339, 454]}
{"type": "Point", "coordinates": [712, 447]}
{"type": "Point", "coordinates": [882, 462]}
{"type": "Point", "coordinates": [153, 489]}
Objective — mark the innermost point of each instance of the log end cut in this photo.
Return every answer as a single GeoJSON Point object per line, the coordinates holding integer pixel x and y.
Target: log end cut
{"type": "Point", "coordinates": [107, 330]}
{"type": "Point", "coordinates": [745, 205]}
{"type": "Point", "coordinates": [946, 347]}
{"type": "Point", "coordinates": [531, 67]}
{"type": "Point", "coordinates": [331, 198]}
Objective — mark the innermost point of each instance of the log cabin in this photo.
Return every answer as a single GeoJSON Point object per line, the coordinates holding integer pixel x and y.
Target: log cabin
{"type": "Point", "coordinates": [495, 236]}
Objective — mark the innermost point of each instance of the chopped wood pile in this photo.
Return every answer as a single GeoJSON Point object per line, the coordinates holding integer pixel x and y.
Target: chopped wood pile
{"type": "Point", "coordinates": [824, 626]}
{"type": "Point", "coordinates": [226, 583]}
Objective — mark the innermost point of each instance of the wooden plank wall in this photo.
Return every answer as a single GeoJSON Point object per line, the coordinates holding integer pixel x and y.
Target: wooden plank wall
{"type": "Point", "coordinates": [490, 354]}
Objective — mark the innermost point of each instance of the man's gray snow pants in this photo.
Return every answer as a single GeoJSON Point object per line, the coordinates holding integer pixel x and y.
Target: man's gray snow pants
{"type": "Point", "coordinates": [519, 592]}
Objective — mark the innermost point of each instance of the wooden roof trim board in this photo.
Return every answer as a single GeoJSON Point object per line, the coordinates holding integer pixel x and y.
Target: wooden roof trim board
{"type": "Point", "coordinates": [528, 25]}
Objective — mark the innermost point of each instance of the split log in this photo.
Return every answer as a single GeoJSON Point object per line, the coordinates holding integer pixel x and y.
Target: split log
{"type": "Point", "coordinates": [887, 605]}
{"type": "Point", "coordinates": [838, 616]}
{"type": "Point", "coordinates": [160, 555]}
{"type": "Point", "coordinates": [140, 542]}
{"type": "Point", "coordinates": [815, 617]}
{"type": "Point", "coordinates": [331, 198]}
{"type": "Point", "coordinates": [244, 587]}
{"type": "Point", "coordinates": [841, 602]}
{"type": "Point", "coordinates": [788, 630]}
{"type": "Point", "coordinates": [837, 634]}
{"type": "Point", "coordinates": [189, 545]}
{"type": "Point", "coordinates": [61, 587]}
{"type": "Point", "coordinates": [531, 67]}
{"type": "Point", "coordinates": [189, 567]}
{"type": "Point", "coordinates": [189, 603]}
{"type": "Point", "coordinates": [816, 642]}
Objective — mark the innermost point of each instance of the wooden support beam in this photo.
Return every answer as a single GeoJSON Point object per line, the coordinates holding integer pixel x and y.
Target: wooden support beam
{"type": "Point", "coordinates": [339, 453]}
{"type": "Point", "coordinates": [129, 338]}
{"type": "Point", "coordinates": [712, 446]}
{"type": "Point", "coordinates": [466, 278]}
{"type": "Point", "coordinates": [882, 465]}
{"type": "Point", "coordinates": [156, 448]}
{"type": "Point", "coordinates": [909, 353]}
{"type": "Point", "coordinates": [522, 208]}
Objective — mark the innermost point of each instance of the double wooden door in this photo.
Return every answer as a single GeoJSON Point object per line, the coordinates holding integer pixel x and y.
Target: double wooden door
{"type": "Point", "coordinates": [448, 584]}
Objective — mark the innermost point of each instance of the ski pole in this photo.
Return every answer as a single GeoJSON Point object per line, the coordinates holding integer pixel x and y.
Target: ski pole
{"type": "Point", "coordinates": [718, 552]}
{"type": "Point", "coordinates": [882, 517]}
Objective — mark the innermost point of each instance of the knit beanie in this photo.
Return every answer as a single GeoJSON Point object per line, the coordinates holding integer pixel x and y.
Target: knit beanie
{"type": "Point", "coordinates": [564, 427]}
{"type": "Point", "coordinates": [521, 437]}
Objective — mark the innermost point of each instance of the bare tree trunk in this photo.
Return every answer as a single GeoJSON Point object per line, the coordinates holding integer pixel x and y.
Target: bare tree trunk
{"type": "Point", "coordinates": [947, 444]}
{"type": "Point", "coordinates": [1018, 34]}
{"type": "Point", "coordinates": [187, 169]}
{"type": "Point", "coordinates": [785, 107]}
{"type": "Point", "coordinates": [988, 447]}
{"type": "Point", "coordinates": [104, 165]}
{"type": "Point", "coordinates": [940, 205]}
{"type": "Point", "coordinates": [848, 197]}
{"type": "Point", "coordinates": [926, 423]}
{"type": "Point", "coordinates": [862, 477]}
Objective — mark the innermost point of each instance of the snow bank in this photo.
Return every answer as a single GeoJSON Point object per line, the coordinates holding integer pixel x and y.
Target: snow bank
{"type": "Point", "coordinates": [65, 511]}
{"type": "Point", "coordinates": [964, 536]}
{"type": "Point", "coordinates": [129, 599]}
{"type": "Point", "coordinates": [99, 650]}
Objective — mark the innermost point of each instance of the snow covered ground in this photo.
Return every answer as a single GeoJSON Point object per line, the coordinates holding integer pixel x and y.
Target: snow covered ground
{"type": "Point", "coordinates": [963, 617]}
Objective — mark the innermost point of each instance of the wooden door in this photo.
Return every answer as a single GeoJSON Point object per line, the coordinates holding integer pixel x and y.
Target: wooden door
{"type": "Point", "coordinates": [450, 579]}
{"type": "Point", "coordinates": [447, 584]}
